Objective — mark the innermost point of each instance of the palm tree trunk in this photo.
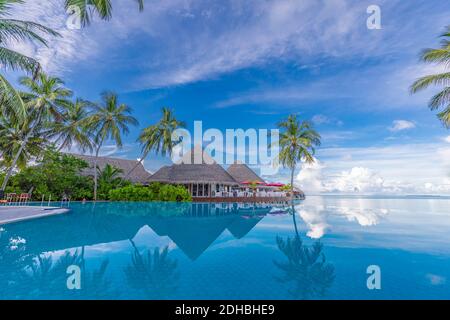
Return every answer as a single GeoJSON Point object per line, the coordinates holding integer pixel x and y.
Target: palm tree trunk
{"type": "Point", "coordinates": [95, 172]}
{"type": "Point", "coordinates": [134, 168]}
{"type": "Point", "coordinates": [19, 152]}
{"type": "Point", "coordinates": [292, 181]}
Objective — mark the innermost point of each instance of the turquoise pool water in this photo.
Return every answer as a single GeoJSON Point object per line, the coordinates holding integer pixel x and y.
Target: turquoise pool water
{"type": "Point", "coordinates": [319, 249]}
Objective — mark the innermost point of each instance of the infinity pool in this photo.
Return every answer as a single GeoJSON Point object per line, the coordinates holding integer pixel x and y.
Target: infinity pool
{"type": "Point", "coordinates": [318, 249]}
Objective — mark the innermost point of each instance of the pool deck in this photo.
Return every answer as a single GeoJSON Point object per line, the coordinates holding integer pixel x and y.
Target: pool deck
{"type": "Point", "coordinates": [11, 214]}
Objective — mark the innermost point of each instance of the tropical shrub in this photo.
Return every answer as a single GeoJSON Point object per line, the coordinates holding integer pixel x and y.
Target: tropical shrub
{"type": "Point", "coordinates": [154, 192]}
{"type": "Point", "coordinates": [56, 175]}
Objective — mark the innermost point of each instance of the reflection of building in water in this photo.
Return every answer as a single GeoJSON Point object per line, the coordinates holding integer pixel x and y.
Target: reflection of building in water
{"type": "Point", "coordinates": [192, 227]}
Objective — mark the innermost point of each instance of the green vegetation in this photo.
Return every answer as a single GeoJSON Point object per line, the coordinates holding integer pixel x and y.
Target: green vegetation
{"type": "Point", "coordinates": [103, 8]}
{"type": "Point", "coordinates": [159, 137]}
{"type": "Point", "coordinates": [440, 56]}
{"type": "Point", "coordinates": [56, 175]}
{"type": "Point", "coordinates": [154, 192]}
{"type": "Point", "coordinates": [108, 121]}
{"type": "Point", "coordinates": [297, 143]}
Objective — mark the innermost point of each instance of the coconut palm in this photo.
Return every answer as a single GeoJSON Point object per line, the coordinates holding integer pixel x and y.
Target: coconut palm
{"type": "Point", "coordinates": [73, 129]}
{"type": "Point", "coordinates": [109, 120]}
{"type": "Point", "coordinates": [441, 56]}
{"type": "Point", "coordinates": [13, 30]}
{"type": "Point", "coordinates": [45, 102]}
{"type": "Point", "coordinates": [103, 8]}
{"type": "Point", "coordinates": [297, 142]}
{"type": "Point", "coordinates": [11, 136]}
{"type": "Point", "coordinates": [109, 174]}
{"type": "Point", "coordinates": [159, 137]}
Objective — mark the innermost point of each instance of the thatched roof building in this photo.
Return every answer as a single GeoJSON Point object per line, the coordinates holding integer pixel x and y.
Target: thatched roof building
{"type": "Point", "coordinates": [242, 173]}
{"type": "Point", "coordinates": [195, 167]}
{"type": "Point", "coordinates": [139, 175]}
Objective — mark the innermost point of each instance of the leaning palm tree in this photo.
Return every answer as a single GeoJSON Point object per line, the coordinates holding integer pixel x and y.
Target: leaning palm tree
{"type": "Point", "coordinates": [159, 137]}
{"type": "Point", "coordinates": [45, 100]}
{"type": "Point", "coordinates": [297, 142]}
{"type": "Point", "coordinates": [441, 56]}
{"type": "Point", "coordinates": [13, 30]}
{"type": "Point", "coordinates": [73, 129]}
{"type": "Point", "coordinates": [103, 8]}
{"type": "Point", "coordinates": [108, 121]}
{"type": "Point", "coordinates": [11, 136]}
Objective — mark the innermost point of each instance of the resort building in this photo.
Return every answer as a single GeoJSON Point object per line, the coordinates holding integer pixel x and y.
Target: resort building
{"type": "Point", "coordinates": [139, 175]}
{"type": "Point", "coordinates": [208, 181]}
{"type": "Point", "coordinates": [205, 179]}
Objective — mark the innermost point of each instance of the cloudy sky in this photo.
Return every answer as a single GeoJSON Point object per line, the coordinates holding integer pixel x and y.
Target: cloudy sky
{"type": "Point", "coordinates": [248, 64]}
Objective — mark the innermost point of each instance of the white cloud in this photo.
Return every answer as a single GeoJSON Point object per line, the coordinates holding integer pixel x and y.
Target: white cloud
{"type": "Point", "coordinates": [447, 139]}
{"type": "Point", "coordinates": [396, 169]}
{"type": "Point", "coordinates": [400, 125]}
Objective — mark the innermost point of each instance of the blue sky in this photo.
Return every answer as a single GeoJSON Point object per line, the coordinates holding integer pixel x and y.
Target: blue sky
{"type": "Point", "coordinates": [248, 64]}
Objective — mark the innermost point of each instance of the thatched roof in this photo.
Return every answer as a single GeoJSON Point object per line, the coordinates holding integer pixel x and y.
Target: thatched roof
{"type": "Point", "coordinates": [139, 175]}
{"type": "Point", "coordinates": [241, 173]}
{"type": "Point", "coordinates": [192, 173]}
{"type": "Point", "coordinates": [194, 167]}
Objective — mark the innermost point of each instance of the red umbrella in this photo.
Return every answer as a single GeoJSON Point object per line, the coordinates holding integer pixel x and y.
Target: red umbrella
{"type": "Point", "coordinates": [275, 184]}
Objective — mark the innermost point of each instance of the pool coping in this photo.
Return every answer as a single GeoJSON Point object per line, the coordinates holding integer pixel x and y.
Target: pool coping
{"type": "Point", "coordinates": [23, 213]}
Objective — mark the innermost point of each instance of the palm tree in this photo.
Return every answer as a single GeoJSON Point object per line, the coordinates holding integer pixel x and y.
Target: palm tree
{"type": "Point", "coordinates": [109, 175]}
{"type": "Point", "coordinates": [17, 30]}
{"type": "Point", "coordinates": [103, 8]}
{"type": "Point", "coordinates": [44, 102]}
{"type": "Point", "coordinates": [297, 142]}
{"type": "Point", "coordinates": [441, 56]}
{"type": "Point", "coordinates": [158, 137]}
{"type": "Point", "coordinates": [73, 129]}
{"type": "Point", "coordinates": [11, 136]}
{"type": "Point", "coordinates": [108, 122]}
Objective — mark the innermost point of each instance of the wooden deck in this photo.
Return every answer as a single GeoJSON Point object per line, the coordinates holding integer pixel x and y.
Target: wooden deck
{"type": "Point", "coordinates": [242, 199]}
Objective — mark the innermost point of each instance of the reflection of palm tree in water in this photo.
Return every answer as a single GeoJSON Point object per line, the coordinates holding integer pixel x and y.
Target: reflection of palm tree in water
{"type": "Point", "coordinates": [48, 278]}
{"type": "Point", "coordinates": [306, 266]}
{"type": "Point", "coordinates": [152, 273]}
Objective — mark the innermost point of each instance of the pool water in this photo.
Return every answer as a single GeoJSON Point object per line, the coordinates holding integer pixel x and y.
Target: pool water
{"type": "Point", "coordinates": [319, 248]}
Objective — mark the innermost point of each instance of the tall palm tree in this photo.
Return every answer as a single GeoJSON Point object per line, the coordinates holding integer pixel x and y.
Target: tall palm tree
{"type": "Point", "coordinates": [73, 129]}
{"type": "Point", "coordinates": [297, 142]}
{"type": "Point", "coordinates": [158, 137]}
{"type": "Point", "coordinates": [45, 100]}
{"type": "Point", "coordinates": [441, 56]}
{"type": "Point", "coordinates": [17, 30]}
{"type": "Point", "coordinates": [108, 122]}
{"type": "Point", "coordinates": [103, 8]}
